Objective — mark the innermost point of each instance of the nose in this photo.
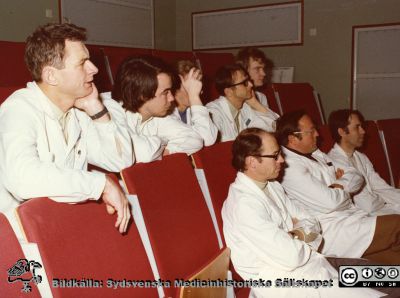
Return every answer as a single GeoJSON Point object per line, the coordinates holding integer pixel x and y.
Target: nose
{"type": "Point", "coordinates": [250, 84]}
{"type": "Point", "coordinates": [280, 158]}
{"type": "Point", "coordinates": [362, 130]}
{"type": "Point", "coordinates": [91, 68]}
{"type": "Point", "coordinates": [262, 72]}
{"type": "Point", "coordinates": [316, 133]}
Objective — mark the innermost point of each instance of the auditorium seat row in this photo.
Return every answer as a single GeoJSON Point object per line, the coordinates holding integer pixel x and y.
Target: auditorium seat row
{"type": "Point", "coordinates": [282, 98]}
{"type": "Point", "coordinates": [176, 232]}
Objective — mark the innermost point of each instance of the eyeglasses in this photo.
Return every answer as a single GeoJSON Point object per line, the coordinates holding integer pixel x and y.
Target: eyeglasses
{"type": "Point", "coordinates": [274, 156]}
{"type": "Point", "coordinates": [310, 131]}
{"type": "Point", "coordinates": [245, 82]}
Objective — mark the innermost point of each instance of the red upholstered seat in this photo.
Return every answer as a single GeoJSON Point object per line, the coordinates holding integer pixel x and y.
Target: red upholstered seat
{"type": "Point", "coordinates": [101, 79]}
{"type": "Point", "coordinates": [391, 133]}
{"type": "Point", "coordinates": [210, 63]}
{"type": "Point", "coordinates": [373, 148]}
{"type": "Point", "coordinates": [80, 241]}
{"type": "Point", "coordinates": [325, 140]}
{"type": "Point", "coordinates": [296, 96]}
{"type": "Point", "coordinates": [216, 163]}
{"type": "Point", "coordinates": [115, 56]}
{"type": "Point", "coordinates": [178, 223]}
{"type": "Point", "coordinates": [13, 71]}
{"type": "Point", "coordinates": [10, 253]}
{"type": "Point", "coordinates": [7, 91]}
{"type": "Point", "coordinates": [173, 56]}
{"type": "Point", "coordinates": [272, 101]}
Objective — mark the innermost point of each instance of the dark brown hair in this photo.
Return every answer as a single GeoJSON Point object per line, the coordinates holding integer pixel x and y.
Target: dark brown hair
{"type": "Point", "coordinates": [46, 46]}
{"type": "Point", "coordinates": [341, 119]}
{"type": "Point", "coordinates": [136, 81]}
{"type": "Point", "coordinates": [224, 76]}
{"type": "Point", "coordinates": [247, 143]}
{"type": "Point", "coordinates": [287, 124]}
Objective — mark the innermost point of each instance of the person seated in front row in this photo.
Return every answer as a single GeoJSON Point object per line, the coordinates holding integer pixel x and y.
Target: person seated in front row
{"type": "Point", "coordinates": [269, 236]}
{"type": "Point", "coordinates": [52, 129]}
{"type": "Point", "coordinates": [189, 108]}
{"type": "Point", "coordinates": [376, 196]}
{"type": "Point", "coordinates": [143, 86]}
{"type": "Point", "coordinates": [237, 108]}
{"type": "Point", "coordinates": [313, 183]}
{"type": "Point", "coordinates": [259, 68]}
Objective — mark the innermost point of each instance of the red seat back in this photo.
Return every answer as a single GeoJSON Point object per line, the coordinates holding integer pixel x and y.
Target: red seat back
{"type": "Point", "coordinates": [216, 162]}
{"type": "Point", "coordinates": [210, 63]}
{"type": "Point", "coordinates": [391, 132]}
{"type": "Point", "coordinates": [13, 69]}
{"type": "Point", "coordinates": [80, 241]}
{"type": "Point", "coordinates": [373, 148]}
{"type": "Point", "coordinates": [11, 252]}
{"type": "Point", "coordinates": [272, 102]}
{"type": "Point", "coordinates": [296, 96]}
{"type": "Point", "coordinates": [325, 139]}
{"type": "Point", "coordinates": [101, 79]}
{"type": "Point", "coordinates": [115, 56]}
{"type": "Point", "coordinates": [6, 92]}
{"type": "Point", "coordinates": [178, 223]}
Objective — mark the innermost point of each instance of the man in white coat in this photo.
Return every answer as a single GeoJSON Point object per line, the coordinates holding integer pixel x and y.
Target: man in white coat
{"type": "Point", "coordinates": [189, 108]}
{"type": "Point", "coordinates": [259, 68]}
{"type": "Point", "coordinates": [376, 196]}
{"type": "Point", "coordinates": [270, 238]}
{"type": "Point", "coordinates": [143, 86]}
{"type": "Point", "coordinates": [312, 182]}
{"type": "Point", "coordinates": [51, 129]}
{"type": "Point", "coordinates": [237, 108]}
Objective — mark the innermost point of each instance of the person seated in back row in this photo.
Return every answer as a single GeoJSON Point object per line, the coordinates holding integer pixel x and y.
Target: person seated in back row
{"type": "Point", "coordinates": [237, 108]}
{"type": "Point", "coordinates": [376, 196]}
{"type": "Point", "coordinates": [143, 87]}
{"type": "Point", "coordinates": [259, 68]}
{"type": "Point", "coordinates": [188, 106]}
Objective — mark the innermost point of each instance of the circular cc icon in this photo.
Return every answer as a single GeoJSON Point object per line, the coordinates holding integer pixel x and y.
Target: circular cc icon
{"type": "Point", "coordinates": [349, 276]}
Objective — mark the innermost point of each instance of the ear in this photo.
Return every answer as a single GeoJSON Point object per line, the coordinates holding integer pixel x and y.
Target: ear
{"type": "Point", "coordinates": [228, 91]}
{"type": "Point", "coordinates": [292, 139]}
{"type": "Point", "coordinates": [49, 75]}
{"type": "Point", "coordinates": [341, 132]}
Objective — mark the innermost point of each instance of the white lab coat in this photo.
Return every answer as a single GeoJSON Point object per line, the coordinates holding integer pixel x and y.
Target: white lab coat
{"type": "Point", "coordinates": [223, 119]}
{"type": "Point", "coordinates": [256, 230]}
{"type": "Point", "coordinates": [35, 160]}
{"type": "Point", "coordinates": [152, 136]}
{"type": "Point", "coordinates": [198, 118]}
{"type": "Point", "coordinates": [347, 230]}
{"type": "Point", "coordinates": [376, 196]}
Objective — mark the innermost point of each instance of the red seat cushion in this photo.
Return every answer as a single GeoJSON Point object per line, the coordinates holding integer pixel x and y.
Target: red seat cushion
{"type": "Point", "coordinates": [13, 69]}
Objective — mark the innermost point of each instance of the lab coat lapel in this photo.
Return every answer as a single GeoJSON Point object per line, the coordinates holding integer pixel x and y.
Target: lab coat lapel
{"type": "Point", "coordinates": [74, 132]}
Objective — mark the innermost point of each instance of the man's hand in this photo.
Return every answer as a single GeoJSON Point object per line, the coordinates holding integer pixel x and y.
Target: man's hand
{"type": "Point", "coordinates": [255, 104]}
{"type": "Point", "coordinates": [192, 84]}
{"type": "Point", "coordinates": [336, 185]}
{"type": "Point", "coordinates": [116, 200]}
{"type": "Point", "coordinates": [339, 173]}
{"type": "Point", "coordinates": [91, 104]}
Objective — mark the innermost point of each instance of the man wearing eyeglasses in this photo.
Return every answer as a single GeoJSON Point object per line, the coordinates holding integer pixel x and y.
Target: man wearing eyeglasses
{"type": "Point", "coordinates": [313, 183]}
{"type": "Point", "coordinates": [237, 108]}
{"type": "Point", "coordinates": [269, 237]}
{"type": "Point", "coordinates": [376, 196]}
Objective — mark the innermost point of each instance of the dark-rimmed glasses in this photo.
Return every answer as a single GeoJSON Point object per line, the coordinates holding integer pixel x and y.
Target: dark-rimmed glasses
{"type": "Point", "coordinates": [245, 82]}
{"type": "Point", "coordinates": [274, 156]}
